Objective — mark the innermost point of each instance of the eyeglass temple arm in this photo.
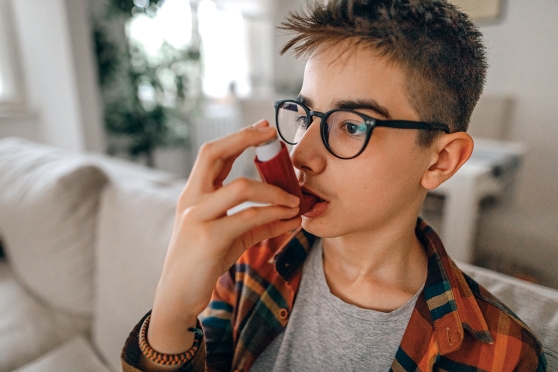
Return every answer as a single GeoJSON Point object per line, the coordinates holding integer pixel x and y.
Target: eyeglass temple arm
{"type": "Point", "coordinates": [403, 124]}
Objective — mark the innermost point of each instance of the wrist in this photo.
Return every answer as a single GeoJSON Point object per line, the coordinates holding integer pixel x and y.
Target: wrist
{"type": "Point", "coordinates": [168, 333]}
{"type": "Point", "coordinates": [182, 305]}
{"type": "Point", "coordinates": [184, 296]}
{"type": "Point", "coordinates": [154, 354]}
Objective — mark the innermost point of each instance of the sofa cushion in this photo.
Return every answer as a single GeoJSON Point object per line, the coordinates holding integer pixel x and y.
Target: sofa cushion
{"type": "Point", "coordinates": [536, 305]}
{"type": "Point", "coordinates": [48, 211]}
{"type": "Point", "coordinates": [28, 326]}
{"type": "Point", "coordinates": [124, 171]}
{"type": "Point", "coordinates": [75, 355]}
{"type": "Point", "coordinates": [135, 225]}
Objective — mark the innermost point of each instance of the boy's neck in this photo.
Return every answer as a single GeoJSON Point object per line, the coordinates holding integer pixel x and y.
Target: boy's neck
{"type": "Point", "coordinates": [380, 270]}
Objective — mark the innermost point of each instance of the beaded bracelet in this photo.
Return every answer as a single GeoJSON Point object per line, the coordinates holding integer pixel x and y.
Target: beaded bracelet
{"type": "Point", "coordinates": [167, 359]}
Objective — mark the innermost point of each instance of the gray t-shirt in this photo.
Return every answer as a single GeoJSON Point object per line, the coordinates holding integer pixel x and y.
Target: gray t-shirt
{"type": "Point", "coordinates": [326, 334]}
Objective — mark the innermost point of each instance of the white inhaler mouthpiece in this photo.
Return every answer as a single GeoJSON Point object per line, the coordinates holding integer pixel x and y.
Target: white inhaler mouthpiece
{"type": "Point", "coordinates": [268, 150]}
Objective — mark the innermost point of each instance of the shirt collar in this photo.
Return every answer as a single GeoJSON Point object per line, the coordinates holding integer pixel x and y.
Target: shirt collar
{"type": "Point", "coordinates": [453, 307]}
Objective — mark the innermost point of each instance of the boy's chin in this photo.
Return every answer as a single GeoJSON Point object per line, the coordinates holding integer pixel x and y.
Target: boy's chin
{"type": "Point", "coordinates": [318, 227]}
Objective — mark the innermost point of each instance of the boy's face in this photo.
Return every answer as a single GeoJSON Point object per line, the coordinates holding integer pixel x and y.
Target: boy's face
{"type": "Point", "coordinates": [380, 188]}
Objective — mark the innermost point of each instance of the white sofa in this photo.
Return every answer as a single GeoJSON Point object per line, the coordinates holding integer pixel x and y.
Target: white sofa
{"type": "Point", "coordinates": [85, 237]}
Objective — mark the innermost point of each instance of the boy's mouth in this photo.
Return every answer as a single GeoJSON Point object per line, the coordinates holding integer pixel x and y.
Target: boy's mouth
{"type": "Point", "coordinates": [309, 200]}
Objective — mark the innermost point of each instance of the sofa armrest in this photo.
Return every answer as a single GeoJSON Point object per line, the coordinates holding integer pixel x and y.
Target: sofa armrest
{"type": "Point", "coordinates": [134, 230]}
{"type": "Point", "coordinates": [536, 305]}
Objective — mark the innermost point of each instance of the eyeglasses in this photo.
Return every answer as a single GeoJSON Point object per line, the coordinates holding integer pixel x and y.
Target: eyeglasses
{"type": "Point", "coordinates": [345, 133]}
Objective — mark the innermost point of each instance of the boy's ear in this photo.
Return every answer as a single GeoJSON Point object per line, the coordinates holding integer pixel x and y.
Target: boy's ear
{"type": "Point", "coordinates": [449, 152]}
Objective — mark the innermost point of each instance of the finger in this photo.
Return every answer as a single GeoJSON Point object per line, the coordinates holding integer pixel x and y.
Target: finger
{"type": "Point", "coordinates": [229, 163]}
{"type": "Point", "coordinates": [259, 222]}
{"type": "Point", "coordinates": [215, 158]}
{"type": "Point", "coordinates": [260, 233]}
{"type": "Point", "coordinates": [261, 123]}
{"type": "Point", "coordinates": [241, 190]}
{"type": "Point", "coordinates": [270, 230]}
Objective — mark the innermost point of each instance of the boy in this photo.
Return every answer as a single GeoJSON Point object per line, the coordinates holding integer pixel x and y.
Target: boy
{"type": "Point", "coordinates": [388, 91]}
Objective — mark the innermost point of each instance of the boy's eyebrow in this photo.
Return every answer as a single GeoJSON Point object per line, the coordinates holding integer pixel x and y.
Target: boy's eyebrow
{"type": "Point", "coordinates": [304, 100]}
{"type": "Point", "coordinates": [351, 105]}
{"type": "Point", "coordinates": [362, 104]}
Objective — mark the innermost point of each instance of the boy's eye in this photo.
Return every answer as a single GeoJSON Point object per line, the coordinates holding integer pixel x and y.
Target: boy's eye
{"type": "Point", "coordinates": [352, 128]}
{"type": "Point", "coordinates": [355, 129]}
{"type": "Point", "coordinates": [302, 121]}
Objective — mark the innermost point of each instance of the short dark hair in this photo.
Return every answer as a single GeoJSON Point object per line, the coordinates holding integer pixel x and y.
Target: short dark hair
{"type": "Point", "coordinates": [438, 47]}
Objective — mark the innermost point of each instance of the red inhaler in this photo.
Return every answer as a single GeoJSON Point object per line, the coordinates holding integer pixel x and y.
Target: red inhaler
{"type": "Point", "coordinates": [275, 167]}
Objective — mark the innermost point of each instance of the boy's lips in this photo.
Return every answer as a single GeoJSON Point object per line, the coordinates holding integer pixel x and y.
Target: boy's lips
{"type": "Point", "coordinates": [310, 201]}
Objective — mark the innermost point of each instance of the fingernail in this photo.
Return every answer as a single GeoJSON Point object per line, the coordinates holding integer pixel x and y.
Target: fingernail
{"type": "Point", "coordinates": [293, 211]}
{"type": "Point", "coordinates": [265, 129]}
{"type": "Point", "coordinates": [294, 200]}
{"type": "Point", "coordinates": [260, 123]}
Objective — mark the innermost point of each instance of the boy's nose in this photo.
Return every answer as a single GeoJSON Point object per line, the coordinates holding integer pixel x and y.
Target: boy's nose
{"type": "Point", "coordinates": [309, 154]}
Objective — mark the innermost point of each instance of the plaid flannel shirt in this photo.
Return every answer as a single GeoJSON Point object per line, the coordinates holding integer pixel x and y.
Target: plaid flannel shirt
{"type": "Point", "coordinates": [456, 324]}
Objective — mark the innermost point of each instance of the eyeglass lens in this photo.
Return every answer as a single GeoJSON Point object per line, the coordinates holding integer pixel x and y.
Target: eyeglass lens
{"type": "Point", "coordinates": [345, 131]}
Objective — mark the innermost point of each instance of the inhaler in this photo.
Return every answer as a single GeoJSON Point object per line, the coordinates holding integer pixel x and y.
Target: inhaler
{"type": "Point", "coordinates": [275, 167]}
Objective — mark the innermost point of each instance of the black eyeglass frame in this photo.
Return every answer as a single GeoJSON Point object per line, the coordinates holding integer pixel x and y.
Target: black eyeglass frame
{"type": "Point", "coordinates": [370, 122]}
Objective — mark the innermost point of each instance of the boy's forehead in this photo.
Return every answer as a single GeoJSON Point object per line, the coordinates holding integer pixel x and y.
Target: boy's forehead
{"type": "Point", "coordinates": [356, 73]}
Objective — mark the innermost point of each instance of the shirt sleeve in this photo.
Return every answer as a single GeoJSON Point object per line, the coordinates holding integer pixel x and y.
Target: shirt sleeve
{"type": "Point", "coordinates": [216, 349]}
{"type": "Point", "coordinates": [131, 354]}
{"type": "Point", "coordinates": [217, 322]}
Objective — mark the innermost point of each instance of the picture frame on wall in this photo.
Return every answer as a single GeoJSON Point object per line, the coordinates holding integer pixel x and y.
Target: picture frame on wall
{"type": "Point", "coordinates": [481, 10]}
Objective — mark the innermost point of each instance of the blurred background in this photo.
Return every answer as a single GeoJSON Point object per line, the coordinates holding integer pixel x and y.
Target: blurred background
{"type": "Point", "coordinates": [150, 81]}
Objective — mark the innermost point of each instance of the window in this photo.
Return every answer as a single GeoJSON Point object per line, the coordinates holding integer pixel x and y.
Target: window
{"type": "Point", "coordinates": [224, 52]}
{"type": "Point", "coordinates": [172, 24]}
{"type": "Point", "coordinates": [236, 40]}
{"type": "Point", "coordinates": [11, 90]}
{"type": "Point", "coordinates": [237, 46]}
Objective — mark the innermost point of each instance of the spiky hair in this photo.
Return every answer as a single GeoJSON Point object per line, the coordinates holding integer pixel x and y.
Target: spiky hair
{"type": "Point", "coordinates": [438, 47]}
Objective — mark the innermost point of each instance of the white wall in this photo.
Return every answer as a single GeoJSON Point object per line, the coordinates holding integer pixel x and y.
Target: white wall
{"type": "Point", "coordinates": [85, 73]}
{"type": "Point", "coordinates": [57, 67]}
{"type": "Point", "coordinates": [523, 58]}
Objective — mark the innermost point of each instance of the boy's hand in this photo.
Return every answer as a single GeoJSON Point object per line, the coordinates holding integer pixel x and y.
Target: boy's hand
{"type": "Point", "coordinates": [206, 242]}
